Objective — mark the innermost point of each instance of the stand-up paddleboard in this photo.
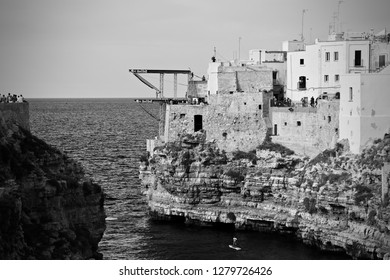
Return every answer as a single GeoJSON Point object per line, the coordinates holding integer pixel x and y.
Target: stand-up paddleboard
{"type": "Point", "coordinates": [234, 247]}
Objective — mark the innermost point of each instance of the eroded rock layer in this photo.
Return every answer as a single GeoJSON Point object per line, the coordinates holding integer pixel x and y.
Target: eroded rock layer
{"type": "Point", "coordinates": [333, 201]}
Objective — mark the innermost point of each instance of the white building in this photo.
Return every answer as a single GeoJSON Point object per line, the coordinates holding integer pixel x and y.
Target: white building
{"type": "Point", "coordinates": [316, 71]}
{"type": "Point", "coordinates": [364, 108]}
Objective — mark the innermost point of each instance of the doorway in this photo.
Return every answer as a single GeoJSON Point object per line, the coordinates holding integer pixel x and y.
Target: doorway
{"type": "Point", "coordinates": [198, 123]}
{"type": "Point", "coordinates": [358, 58]}
{"type": "Point", "coordinates": [382, 61]}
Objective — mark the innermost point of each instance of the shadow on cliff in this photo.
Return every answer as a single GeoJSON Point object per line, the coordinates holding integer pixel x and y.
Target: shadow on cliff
{"type": "Point", "coordinates": [48, 208]}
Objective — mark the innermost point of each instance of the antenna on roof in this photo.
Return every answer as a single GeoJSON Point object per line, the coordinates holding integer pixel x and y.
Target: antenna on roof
{"type": "Point", "coordinates": [337, 24]}
{"type": "Point", "coordinates": [239, 48]}
{"type": "Point", "coordinates": [303, 14]}
{"type": "Point", "coordinates": [338, 16]}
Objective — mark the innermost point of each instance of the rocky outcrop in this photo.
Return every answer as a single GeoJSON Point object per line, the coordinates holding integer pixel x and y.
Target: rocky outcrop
{"type": "Point", "coordinates": [48, 209]}
{"type": "Point", "coordinates": [332, 202]}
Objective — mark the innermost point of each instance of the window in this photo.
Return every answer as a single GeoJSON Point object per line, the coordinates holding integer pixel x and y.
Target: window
{"type": "Point", "coordinates": [336, 77]}
{"type": "Point", "coordinates": [336, 56]}
{"type": "Point", "coordinates": [327, 56]}
{"type": "Point", "coordinates": [329, 119]}
{"type": "Point", "coordinates": [302, 61]}
{"type": "Point", "coordinates": [182, 116]}
{"type": "Point", "coordinates": [350, 94]}
{"type": "Point", "coordinates": [274, 75]}
{"type": "Point", "coordinates": [299, 123]}
{"type": "Point", "coordinates": [285, 123]}
{"type": "Point", "coordinates": [302, 82]}
{"type": "Point", "coordinates": [358, 58]}
{"type": "Point", "coordinates": [326, 78]}
{"type": "Point", "coordinates": [260, 107]}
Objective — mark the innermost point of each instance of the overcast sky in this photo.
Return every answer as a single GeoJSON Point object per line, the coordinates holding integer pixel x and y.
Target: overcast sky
{"type": "Point", "coordinates": [84, 48]}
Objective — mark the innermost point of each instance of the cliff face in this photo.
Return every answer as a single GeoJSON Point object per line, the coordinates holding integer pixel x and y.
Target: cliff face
{"type": "Point", "coordinates": [48, 209]}
{"type": "Point", "coordinates": [332, 202]}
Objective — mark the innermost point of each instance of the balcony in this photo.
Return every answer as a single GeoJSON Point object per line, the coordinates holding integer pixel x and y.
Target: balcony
{"type": "Point", "coordinates": [358, 67]}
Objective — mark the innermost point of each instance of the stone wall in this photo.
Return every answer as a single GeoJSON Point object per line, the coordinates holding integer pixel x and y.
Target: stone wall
{"type": "Point", "coordinates": [247, 79]}
{"type": "Point", "coordinates": [197, 89]}
{"type": "Point", "coordinates": [15, 113]}
{"type": "Point", "coordinates": [327, 123]}
{"type": "Point", "coordinates": [378, 49]}
{"type": "Point", "coordinates": [295, 129]}
{"type": "Point", "coordinates": [306, 130]}
{"type": "Point", "coordinates": [234, 121]}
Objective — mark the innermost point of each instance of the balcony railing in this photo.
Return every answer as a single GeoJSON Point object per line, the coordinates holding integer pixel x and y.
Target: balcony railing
{"type": "Point", "coordinates": [358, 63]}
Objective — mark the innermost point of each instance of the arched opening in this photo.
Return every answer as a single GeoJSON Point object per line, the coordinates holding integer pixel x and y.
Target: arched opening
{"type": "Point", "coordinates": [302, 83]}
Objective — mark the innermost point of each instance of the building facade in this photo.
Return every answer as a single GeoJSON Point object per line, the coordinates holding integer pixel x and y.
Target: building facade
{"type": "Point", "coordinates": [364, 108]}
{"type": "Point", "coordinates": [317, 70]}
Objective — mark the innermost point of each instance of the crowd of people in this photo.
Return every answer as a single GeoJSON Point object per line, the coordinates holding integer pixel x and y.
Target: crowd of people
{"type": "Point", "coordinates": [12, 98]}
{"type": "Point", "coordinates": [284, 102]}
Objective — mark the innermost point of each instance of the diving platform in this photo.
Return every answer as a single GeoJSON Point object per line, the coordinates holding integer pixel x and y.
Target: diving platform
{"type": "Point", "coordinates": [160, 91]}
{"type": "Point", "coordinates": [160, 98]}
{"type": "Point", "coordinates": [167, 100]}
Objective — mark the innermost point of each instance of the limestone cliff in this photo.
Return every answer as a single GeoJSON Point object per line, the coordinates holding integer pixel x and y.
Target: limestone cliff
{"type": "Point", "coordinates": [333, 201]}
{"type": "Point", "coordinates": [48, 209]}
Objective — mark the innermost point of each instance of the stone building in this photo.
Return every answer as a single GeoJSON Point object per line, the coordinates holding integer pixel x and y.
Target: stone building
{"type": "Point", "coordinates": [229, 77]}
{"type": "Point", "coordinates": [237, 121]}
{"type": "Point", "coordinates": [348, 74]}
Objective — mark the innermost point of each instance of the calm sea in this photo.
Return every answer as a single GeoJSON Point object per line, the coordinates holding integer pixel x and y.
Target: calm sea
{"type": "Point", "coordinates": [107, 136]}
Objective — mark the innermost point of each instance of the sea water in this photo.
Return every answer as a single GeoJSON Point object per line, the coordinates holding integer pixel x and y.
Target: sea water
{"type": "Point", "coordinates": [107, 136]}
